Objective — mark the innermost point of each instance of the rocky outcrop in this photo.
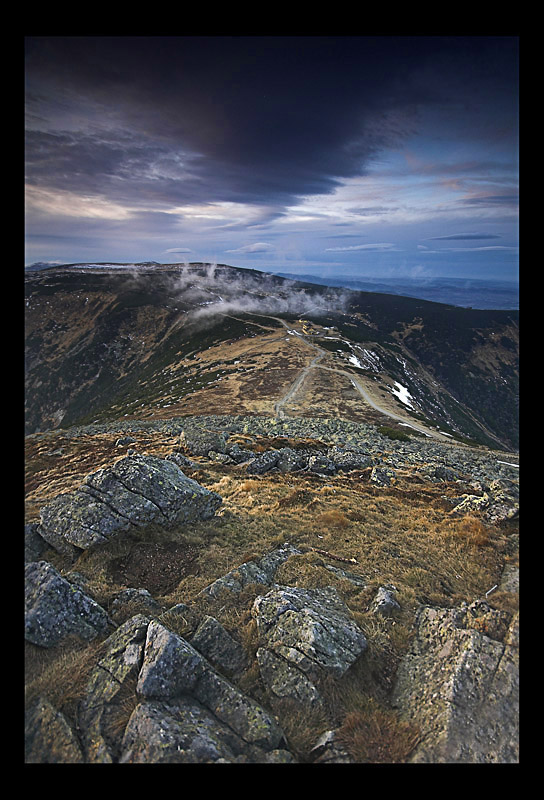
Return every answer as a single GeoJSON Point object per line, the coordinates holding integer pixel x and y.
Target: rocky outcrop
{"type": "Point", "coordinates": [49, 739]}
{"type": "Point", "coordinates": [135, 491]}
{"type": "Point", "coordinates": [262, 570]}
{"type": "Point", "coordinates": [184, 711]}
{"type": "Point", "coordinates": [217, 645]}
{"type": "Point", "coordinates": [460, 685]}
{"type": "Point", "coordinates": [306, 634]}
{"type": "Point", "coordinates": [56, 608]}
{"type": "Point", "coordinates": [155, 696]}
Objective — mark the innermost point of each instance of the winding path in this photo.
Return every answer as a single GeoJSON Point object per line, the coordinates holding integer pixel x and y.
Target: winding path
{"type": "Point", "coordinates": [295, 386]}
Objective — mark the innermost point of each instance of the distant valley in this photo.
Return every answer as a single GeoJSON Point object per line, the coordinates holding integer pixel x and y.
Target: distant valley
{"type": "Point", "coordinates": [464, 292]}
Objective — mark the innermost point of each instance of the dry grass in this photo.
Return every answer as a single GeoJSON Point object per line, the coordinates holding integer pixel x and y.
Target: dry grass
{"type": "Point", "coordinates": [377, 736]}
{"type": "Point", "coordinates": [60, 673]}
{"type": "Point", "coordinates": [332, 519]}
{"type": "Point", "coordinates": [395, 535]}
{"type": "Point", "coordinates": [120, 710]}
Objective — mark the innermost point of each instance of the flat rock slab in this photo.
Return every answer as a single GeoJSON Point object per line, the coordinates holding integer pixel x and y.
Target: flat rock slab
{"type": "Point", "coordinates": [460, 686]}
{"type": "Point", "coordinates": [135, 491]}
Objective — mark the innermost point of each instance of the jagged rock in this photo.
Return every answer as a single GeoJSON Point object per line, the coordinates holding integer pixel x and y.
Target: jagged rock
{"type": "Point", "coordinates": [285, 680]}
{"type": "Point", "coordinates": [263, 463]}
{"type": "Point", "coordinates": [199, 442]}
{"type": "Point", "coordinates": [118, 668]}
{"type": "Point", "coordinates": [135, 491]}
{"type": "Point", "coordinates": [261, 571]}
{"type": "Point", "coordinates": [461, 687]}
{"type": "Point", "coordinates": [290, 460]}
{"type": "Point", "coordinates": [468, 503]}
{"type": "Point", "coordinates": [442, 473]}
{"type": "Point", "coordinates": [188, 713]}
{"type": "Point", "coordinates": [321, 464]}
{"type": "Point", "coordinates": [49, 738]}
{"type": "Point", "coordinates": [56, 608]}
{"type": "Point", "coordinates": [328, 751]}
{"type": "Point", "coordinates": [220, 458]}
{"type": "Point", "coordinates": [128, 597]}
{"type": "Point", "coordinates": [35, 545]}
{"type": "Point", "coordinates": [217, 645]}
{"type": "Point", "coordinates": [239, 454]}
{"type": "Point", "coordinates": [171, 665]}
{"type": "Point", "coordinates": [180, 733]}
{"type": "Point", "coordinates": [346, 460]}
{"type": "Point", "coordinates": [382, 476]}
{"type": "Point", "coordinates": [384, 602]}
{"type": "Point", "coordinates": [242, 714]}
{"type": "Point", "coordinates": [185, 732]}
{"type": "Point", "coordinates": [180, 460]}
{"type": "Point", "coordinates": [312, 631]}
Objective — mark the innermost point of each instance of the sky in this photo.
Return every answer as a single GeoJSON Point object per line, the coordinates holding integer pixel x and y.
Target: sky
{"type": "Point", "coordinates": [381, 156]}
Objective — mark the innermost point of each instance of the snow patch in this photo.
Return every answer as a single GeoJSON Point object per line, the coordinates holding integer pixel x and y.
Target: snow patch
{"type": "Point", "coordinates": [403, 394]}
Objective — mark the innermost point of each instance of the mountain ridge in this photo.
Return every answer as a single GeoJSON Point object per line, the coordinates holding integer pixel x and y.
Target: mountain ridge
{"type": "Point", "coordinates": [451, 367]}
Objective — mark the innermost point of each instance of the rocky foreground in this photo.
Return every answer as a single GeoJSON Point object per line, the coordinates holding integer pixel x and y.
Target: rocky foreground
{"type": "Point", "coordinates": [160, 690]}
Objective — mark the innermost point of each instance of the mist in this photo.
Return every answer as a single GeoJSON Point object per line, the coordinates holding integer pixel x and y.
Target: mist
{"type": "Point", "coordinates": [218, 290]}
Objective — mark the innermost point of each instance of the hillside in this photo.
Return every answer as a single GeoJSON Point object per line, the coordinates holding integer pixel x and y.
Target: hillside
{"type": "Point", "coordinates": [267, 522]}
{"type": "Point", "coordinates": [103, 343]}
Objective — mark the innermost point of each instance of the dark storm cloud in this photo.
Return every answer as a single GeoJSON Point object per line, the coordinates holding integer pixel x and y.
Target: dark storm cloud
{"type": "Point", "coordinates": [260, 120]}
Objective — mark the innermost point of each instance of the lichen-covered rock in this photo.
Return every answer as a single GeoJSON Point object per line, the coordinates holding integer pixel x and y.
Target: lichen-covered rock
{"type": "Point", "coordinates": [187, 713]}
{"type": "Point", "coordinates": [129, 598]}
{"type": "Point", "coordinates": [382, 476]}
{"type": "Point", "coordinates": [171, 665]}
{"type": "Point", "coordinates": [285, 680]}
{"type": "Point", "coordinates": [321, 464]}
{"type": "Point", "coordinates": [263, 463]}
{"type": "Point", "coordinates": [347, 460]}
{"type": "Point", "coordinates": [135, 491]}
{"type": "Point", "coordinates": [252, 723]}
{"type": "Point", "coordinates": [217, 645]}
{"type": "Point", "coordinates": [117, 668]}
{"type": "Point", "coordinates": [510, 579]}
{"type": "Point", "coordinates": [460, 686]}
{"type": "Point", "coordinates": [56, 608]}
{"type": "Point", "coordinates": [49, 739]}
{"type": "Point", "coordinates": [262, 570]}
{"type": "Point", "coordinates": [160, 732]}
{"type": "Point", "coordinates": [384, 602]}
{"type": "Point", "coordinates": [312, 631]}
{"type": "Point", "coordinates": [35, 545]}
{"type": "Point", "coordinates": [199, 442]}
{"type": "Point", "coordinates": [290, 460]}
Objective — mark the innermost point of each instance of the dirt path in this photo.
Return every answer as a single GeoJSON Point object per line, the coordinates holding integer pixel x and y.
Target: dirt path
{"type": "Point", "coordinates": [295, 386]}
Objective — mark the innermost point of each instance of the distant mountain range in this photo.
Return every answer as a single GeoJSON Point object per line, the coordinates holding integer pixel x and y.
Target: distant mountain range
{"type": "Point", "coordinates": [157, 341]}
{"type": "Point", "coordinates": [464, 292]}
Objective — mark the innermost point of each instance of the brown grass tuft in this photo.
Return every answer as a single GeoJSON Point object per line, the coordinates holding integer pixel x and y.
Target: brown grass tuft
{"type": "Point", "coordinates": [377, 736]}
{"type": "Point", "coordinates": [472, 530]}
{"type": "Point", "coordinates": [333, 519]}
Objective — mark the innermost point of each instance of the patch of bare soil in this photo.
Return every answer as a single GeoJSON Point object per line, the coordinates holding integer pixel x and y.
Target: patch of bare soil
{"type": "Point", "coordinates": [155, 566]}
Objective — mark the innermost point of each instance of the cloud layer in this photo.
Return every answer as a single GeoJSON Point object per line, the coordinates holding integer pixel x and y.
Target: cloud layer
{"type": "Point", "coordinates": [251, 144]}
